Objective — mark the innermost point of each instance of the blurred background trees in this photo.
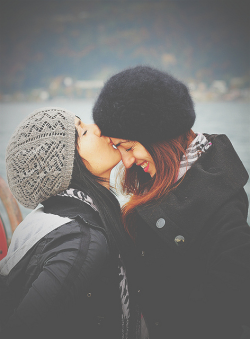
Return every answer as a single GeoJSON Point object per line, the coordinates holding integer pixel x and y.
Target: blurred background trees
{"type": "Point", "coordinates": [49, 48]}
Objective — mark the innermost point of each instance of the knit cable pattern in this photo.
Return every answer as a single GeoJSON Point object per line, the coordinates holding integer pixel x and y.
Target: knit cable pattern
{"type": "Point", "coordinates": [40, 155]}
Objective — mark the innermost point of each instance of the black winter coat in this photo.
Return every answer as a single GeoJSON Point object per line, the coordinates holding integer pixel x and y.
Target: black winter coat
{"type": "Point", "coordinates": [67, 285]}
{"type": "Point", "coordinates": [194, 252]}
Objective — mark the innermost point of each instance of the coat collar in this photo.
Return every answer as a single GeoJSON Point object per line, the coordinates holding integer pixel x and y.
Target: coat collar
{"type": "Point", "coordinates": [32, 229]}
{"type": "Point", "coordinates": [214, 178]}
{"type": "Point", "coordinates": [72, 208]}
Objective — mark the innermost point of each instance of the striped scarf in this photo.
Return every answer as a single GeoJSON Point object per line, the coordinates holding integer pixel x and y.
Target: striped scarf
{"type": "Point", "coordinates": [198, 146]}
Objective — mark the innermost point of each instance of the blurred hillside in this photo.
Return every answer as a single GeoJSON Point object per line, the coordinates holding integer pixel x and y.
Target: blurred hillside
{"type": "Point", "coordinates": [51, 45]}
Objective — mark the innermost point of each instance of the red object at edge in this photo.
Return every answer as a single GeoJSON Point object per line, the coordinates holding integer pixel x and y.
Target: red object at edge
{"type": "Point", "coordinates": [3, 241]}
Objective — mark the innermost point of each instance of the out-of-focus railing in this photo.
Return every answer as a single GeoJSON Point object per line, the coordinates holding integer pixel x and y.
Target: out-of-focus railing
{"type": "Point", "coordinates": [14, 215]}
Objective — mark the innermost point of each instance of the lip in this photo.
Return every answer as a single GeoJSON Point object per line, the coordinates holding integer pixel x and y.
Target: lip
{"type": "Point", "coordinates": [146, 168]}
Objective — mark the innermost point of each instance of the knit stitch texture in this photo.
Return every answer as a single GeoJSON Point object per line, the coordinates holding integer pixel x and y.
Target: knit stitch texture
{"type": "Point", "coordinates": [40, 155]}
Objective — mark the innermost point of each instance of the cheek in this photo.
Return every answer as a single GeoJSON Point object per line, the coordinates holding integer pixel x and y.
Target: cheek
{"type": "Point", "coordinates": [81, 150]}
{"type": "Point", "coordinates": [148, 156]}
{"type": "Point", "coordinates": [86, 150]}
{"type": "Point", "coordinates": [141, 154]}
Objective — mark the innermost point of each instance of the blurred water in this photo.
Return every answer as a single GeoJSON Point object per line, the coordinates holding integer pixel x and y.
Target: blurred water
{"type": "Point", "coordinates": [232, 119]}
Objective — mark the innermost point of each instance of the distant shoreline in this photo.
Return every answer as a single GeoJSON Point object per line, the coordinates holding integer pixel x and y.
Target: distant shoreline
{"type": "Point", "coordinates": [197, 97]}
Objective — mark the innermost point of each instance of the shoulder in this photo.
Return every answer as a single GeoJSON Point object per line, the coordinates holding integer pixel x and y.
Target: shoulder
{"type": "Point", "coordinates": [85, 229]}
{"type": "Point", "coordinates": [78, 257]}
{"type": "Point", "coordinates": [81, 237]}
{"type": "Point", "coordinates": [78, 233]}
{"type": "Point", "coordinates": [74, 249]}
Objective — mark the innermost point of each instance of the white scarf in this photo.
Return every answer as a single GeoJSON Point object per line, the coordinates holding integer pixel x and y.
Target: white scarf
{"type": "Point", "coordinates": [33, 228]}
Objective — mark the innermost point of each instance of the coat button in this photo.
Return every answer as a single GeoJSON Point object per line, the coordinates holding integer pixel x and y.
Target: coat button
{"type": "Point", "coordinates": [89, 295]}
{"type": "Point", "coordinates": [160, 223]}
{"type": "Point", "coordinates": [157, 323]}
{"type": "Point", "coordinates": [179, 240]}
{"type": "Point", "coordinates": [142, 253]}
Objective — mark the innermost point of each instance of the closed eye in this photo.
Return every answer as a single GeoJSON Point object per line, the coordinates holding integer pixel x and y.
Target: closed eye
{"type": "Point", "coordinates": [84, 132]}
{"type": "Point", "coordinates": [129, 149]}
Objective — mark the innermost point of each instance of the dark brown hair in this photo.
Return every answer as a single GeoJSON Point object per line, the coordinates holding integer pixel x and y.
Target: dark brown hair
{"type": "Point", "coordinates": [142, 188]}
{"type": "Point", "coordinates": [106, 202]}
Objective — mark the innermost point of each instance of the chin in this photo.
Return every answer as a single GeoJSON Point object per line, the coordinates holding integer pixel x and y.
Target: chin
{"type": "Point", "coordinates": [117, 160]}
{"type": "Point", "coordinates": [116, 163]}
{"type": "Point", "coordinates": [114, 159]}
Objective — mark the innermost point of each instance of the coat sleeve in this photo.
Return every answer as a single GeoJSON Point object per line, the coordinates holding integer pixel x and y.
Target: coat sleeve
{"type": "Point", "coordinates": [229, 260]}
{"type": "Point", "coordinates": [65, 275]}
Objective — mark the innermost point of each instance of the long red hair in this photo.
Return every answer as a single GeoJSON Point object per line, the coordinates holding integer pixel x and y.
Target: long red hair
{"type": "Point", "coordinates": [142, 188]}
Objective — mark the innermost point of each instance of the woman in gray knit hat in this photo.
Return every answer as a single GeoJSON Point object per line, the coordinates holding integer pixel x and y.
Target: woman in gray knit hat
{"type": "Point", "coordinates": [69, 268]}
{"type": "Point", "coordinates": [187, 209]}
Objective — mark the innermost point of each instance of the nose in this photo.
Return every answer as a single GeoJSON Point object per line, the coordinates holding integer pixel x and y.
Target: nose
{"type": "Point", "coordinates": [127, 158]}
{"type": "Point", "coordinates": [95, 129]}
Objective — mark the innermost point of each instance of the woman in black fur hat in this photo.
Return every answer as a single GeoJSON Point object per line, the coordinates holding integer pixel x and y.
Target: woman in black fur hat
{"type": "Point", "coordinates": [187, 209]}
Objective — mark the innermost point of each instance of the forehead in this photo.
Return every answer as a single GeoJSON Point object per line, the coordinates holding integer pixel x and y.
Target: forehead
{"type": "Point", "coordinates": [120, 142]}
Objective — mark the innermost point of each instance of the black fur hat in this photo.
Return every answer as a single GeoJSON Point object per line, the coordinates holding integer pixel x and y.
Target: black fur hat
{"type": "Point", "coordinates": [144, 104]}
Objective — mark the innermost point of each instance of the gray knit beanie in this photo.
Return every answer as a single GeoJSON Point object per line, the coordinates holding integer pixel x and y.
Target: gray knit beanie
{"type": "Point", "coordinates": [40, 155]}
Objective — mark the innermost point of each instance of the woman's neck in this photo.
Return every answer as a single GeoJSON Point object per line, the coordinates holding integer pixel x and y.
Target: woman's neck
{"type": "Point", "coordinates": [106, 180]}
{"type": "Point", "coordinates": [105, 184]}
